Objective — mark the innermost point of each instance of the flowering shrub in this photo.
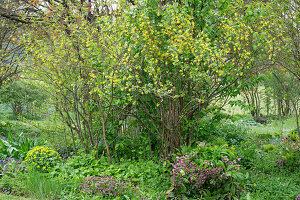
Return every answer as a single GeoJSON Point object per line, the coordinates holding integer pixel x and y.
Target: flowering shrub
{"type": "Point", "coordinates": [290, 153]}
{"type": "Point", "coordinates": [292, 143]}
{"type": "Point", "coordinates": [42, 158]}
{"type": "Point", "coordinates": [193, 175]}
{"type": "Point", "coordinates": [298, 197]}
{"type": "Point", "coordinates": [103, 185]}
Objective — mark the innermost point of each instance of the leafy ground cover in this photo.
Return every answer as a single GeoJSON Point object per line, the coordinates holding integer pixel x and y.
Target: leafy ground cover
{"type": "Point", "coordinates": [236, 159]}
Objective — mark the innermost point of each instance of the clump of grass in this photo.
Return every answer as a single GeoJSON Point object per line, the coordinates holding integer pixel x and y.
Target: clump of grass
{"type": "Point", "coordinates": [41, 186]}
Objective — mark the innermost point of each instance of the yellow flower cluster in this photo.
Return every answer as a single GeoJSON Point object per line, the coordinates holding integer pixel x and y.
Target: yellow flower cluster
{"type": "Point", "coordinates": [42, 157]}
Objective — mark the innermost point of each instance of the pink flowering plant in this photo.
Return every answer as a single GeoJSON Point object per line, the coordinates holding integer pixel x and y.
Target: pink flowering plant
{"type": "Point", "coordinates": [207, 171]}
{"type": "Point", "coordinates": [104, 186]}
{"type": "Point", "coordinates": [290, 153]}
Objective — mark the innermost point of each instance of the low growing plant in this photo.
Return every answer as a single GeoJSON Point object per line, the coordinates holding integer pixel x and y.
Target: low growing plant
{"type": "Point", "coordinates": [11, 171]}
{"type": "Point", "coordinates": [290, 153]}
{"type": "Point", "coordinates": [103, 185]}
{"type": "Point", "coordinates": [233, 133]}
{"type": "Point", "coordinates": [208, 172]}
{"type": "Point", "coordinates": [17, 146]}
{"type": "Point", "coordinates": [10, 167]}
{"type": "Point", "coordinates": [41, 185]}
{"type": "Point", "coordinates": [150, 177]}
{"type": "Point", "coordinates": [42, 158]}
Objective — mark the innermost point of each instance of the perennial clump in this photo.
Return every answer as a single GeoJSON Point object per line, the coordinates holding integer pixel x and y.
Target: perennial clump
{"type": "Point", "coordinates": [103, 185]}
{"type": "Point", "coordinates": [290, 154]}
{"type": "Point", "coordinates": [42, 157]}
{"type": "Point", "coordinates": [206, 174]}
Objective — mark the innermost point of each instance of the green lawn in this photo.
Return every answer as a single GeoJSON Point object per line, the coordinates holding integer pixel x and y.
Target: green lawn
{"type": "Point", "coordinates": [277, 126]}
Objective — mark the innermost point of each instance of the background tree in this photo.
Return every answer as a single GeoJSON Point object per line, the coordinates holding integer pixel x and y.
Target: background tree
{"type": "Point", "coordinates": [284, 88]}
{"type": "Point", "coordinates": [286, 29]}
{"type": "Point", "coordinates": [11, 53]}
{"type": "Point", "coordinates": [21, 96]}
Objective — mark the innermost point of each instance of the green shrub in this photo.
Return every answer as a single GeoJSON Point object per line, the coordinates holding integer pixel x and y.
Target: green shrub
{"type": "Point", "coordinates": [42, 158]}
{"type": "Point", "coordinates": [232, 133]}
{"type": "Point", "coordinates": [128, 147]}
{"type": "Point", "coordinates": [214, 153]}
{"type": "Point", "coordinates": [4, 127]}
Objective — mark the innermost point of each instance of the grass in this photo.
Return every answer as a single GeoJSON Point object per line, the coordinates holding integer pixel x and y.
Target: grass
{"type": "Point", "coordinates": [41, 186]}
{"type": "Point", "coordinates": [11, 197]}
{"type": "Point", "coordinates": [277, 126]}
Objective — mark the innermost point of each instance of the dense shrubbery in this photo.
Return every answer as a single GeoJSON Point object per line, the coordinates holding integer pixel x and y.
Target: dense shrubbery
{"type": "Point", "coordinates": [16, 128]}
{"type": "Point", "coordinates": [135, 148]}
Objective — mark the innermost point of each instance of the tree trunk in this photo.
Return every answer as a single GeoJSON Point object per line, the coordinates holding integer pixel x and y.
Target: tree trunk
{"type": "Point", "coordinates": [287, 107]}
{"type": "Point", "coordinates": [104, 132]}
{"type": "Point", "coordinates": [17, 108]}
{"type": "Point", "coordinates": [279, 108]}
{"type": "Point", "coordinates": [297, 117]}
